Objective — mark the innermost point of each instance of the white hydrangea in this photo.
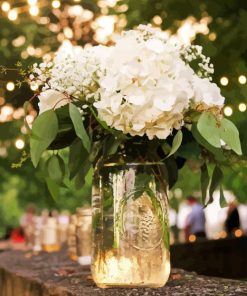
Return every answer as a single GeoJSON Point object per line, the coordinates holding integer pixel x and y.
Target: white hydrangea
{"type": "Point", "coordinates": [51, 99]}
{"type": "Point", "coordinates": [146, 89]}
{"type": "Point", "coordinates": [206, 92]}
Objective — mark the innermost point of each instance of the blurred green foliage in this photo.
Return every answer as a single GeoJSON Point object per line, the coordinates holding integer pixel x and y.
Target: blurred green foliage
{"type": "Point", "coordinates": [228, 23]}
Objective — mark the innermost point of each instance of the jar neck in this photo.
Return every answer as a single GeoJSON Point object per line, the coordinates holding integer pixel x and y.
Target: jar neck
{"type": "Point", "coordinates": [134, 151]}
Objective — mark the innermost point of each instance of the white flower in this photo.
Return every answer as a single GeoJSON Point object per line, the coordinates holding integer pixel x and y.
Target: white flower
{"type": "Point", "coordinates": [142, 85]}
{"type": "Point", "coordinates": [50, 99]}
{"type": "Point", "coordinates": [146, 87]}
{"type": "Point", "coordinates": [207, 92]}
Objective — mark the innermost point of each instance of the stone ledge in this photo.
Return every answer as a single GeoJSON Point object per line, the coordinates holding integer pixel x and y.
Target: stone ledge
{"type": "Point", "coordinates": [24, 274]}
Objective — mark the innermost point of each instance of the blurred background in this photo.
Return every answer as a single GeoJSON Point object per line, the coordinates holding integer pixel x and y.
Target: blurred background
{"type": "Point", "coordinates": [33, 30]}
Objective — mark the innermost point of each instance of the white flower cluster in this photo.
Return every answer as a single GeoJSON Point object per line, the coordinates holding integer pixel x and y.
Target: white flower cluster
{"type": "Point", "coordinates": [142, 85]}
{"type": "Point", "coordinates": [74, 74]}
{"type": "Point", "coordinates": [194, 52]}
{"type": "Point", "coordinates": [148, 87]}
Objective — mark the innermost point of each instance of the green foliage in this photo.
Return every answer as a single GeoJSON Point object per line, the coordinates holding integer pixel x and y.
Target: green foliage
{"type": "Point", "coordinates": [216, 180]}
{"type": "Point", "coordinates": [79, 127]}
{"type": "Point", "coordinates": [56, 168]}
{"type": "Point", "coordinates": [176, 142]}
{"type": "Point", "coordinates": [230, 135]}
{"type": "Point", "coordinates": [44, 131]}
{"type": "Point", "coordinates": [204, 182]}
{"type": "Point", "coordinates": [208, 128]}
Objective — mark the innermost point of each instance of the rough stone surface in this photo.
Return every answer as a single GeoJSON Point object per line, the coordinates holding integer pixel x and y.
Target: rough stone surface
{"type": "Point", "coordinates": [26, 274]}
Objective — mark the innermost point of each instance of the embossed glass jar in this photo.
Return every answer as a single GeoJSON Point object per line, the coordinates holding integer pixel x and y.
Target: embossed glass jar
{"type": "Point", "coordinates": [130, 224]}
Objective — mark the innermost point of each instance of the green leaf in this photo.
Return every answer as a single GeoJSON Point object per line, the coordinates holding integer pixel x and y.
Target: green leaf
{"type": "Point", "coordinates": [56, 168]}
{"type": "Point", "coordinates": [111, 145]}
{"type": "Point", "coordinates": [79, 127]}
{"type": "Point", "coordinates": [217, 178]}
{"type": "Point", "coordinates": [53, 188]}
{"type": "Point", "coordinates": [223, 202]}
{"type": "Point", "coordinates": [66, 133]}
{"type": "Point", "coordinates": [177, 140]}
{"type": "Point", "coordinates": [81, 174]}
{"type": "Point", "coordinates": [217, 152]}
{"type": "Point", "coordinates": [207, 127]}
{"type": "Point", "coordinates": [204, 182]}
{"type": "Point", "coordinates": [77, 156]}
{"type": "Point", "coordinates": [230, 135]}
{"type": "Point", "coordinates": [45, 128]}
{"type": "Point", "coordinates": [190, 150]}
{"type": "Point", "coordinates": [172, 171]}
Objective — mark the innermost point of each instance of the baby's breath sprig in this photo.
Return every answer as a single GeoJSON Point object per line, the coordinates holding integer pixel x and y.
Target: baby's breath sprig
{"type": "Point", "coordinates": [193, 56]}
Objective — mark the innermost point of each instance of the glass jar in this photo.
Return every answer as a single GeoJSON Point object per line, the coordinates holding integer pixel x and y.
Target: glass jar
{"type": "Point", "coordinates": [72, 249]}
{"type": "Point", "coordinates": [130, 225]}
{"type": "Point", "coordinates": [83, 235]}
{"type": "Point", "coordinates": [50, 238]}
{"type": "Point", "coordinates": [37, 246]}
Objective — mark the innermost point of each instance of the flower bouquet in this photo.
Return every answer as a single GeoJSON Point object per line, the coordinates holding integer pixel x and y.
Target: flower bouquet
{"type": "Point", "coordinates": [135, 111]}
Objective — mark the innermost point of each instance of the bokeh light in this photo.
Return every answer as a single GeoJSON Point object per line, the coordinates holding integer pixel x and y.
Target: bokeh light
{"type": "Point", "coordinates": [228, 111]}
{"type": "Point", "coordinates": [56, 4]}
{"type": "Point", "coordinates": [19, 144]}
{"type": "Point", "coordinates": [34, 10]}
{"type": "Point", "coordinates": [242, 107]}
{"type": "Point", "coordinates": [12, 15]}
{"type": "Point", "coordinates": [10, 86]}
{"type": "Point", "coordinates": [224, 81]}
{"type": "Point", "coordinates": [242, 79]}
{"type": "Point", "coordinates": [5, 6]}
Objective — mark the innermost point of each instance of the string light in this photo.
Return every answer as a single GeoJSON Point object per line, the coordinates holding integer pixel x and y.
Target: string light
{"type": "Point", "coordinates": [242, 107]}
{"type": "Point", "coordinates": [12, 15]}
{"type": "Point", "coordinates": [10, 86]}
{"type": "Point", "coordinates": [242, 79]}
{"type": "Point", "coordinates": [34, 10]}
{"type": "Point", "coordinates": [212, 36]}
{"type": "Point", "coordinates": [7, 110]}
{"type": "Point", "coordinates": [192, 238]}
{"type": "Point", "coordinates": [238, 232]}
{"type": "Point", "coordinates": [32, 2]}
{"type": "Point", "coordinates": [56, 4]}
{"type": "Point", "coordinates": [228, 111]}
{"type": "Point", "coordinates": [224, 81]}
{"type": "Point", "coordinates": [19, 144]}
{"type": "Point", "coordinates": [157, 20]}
{"type": "Point", "coordinates": [223, 234]}
{"type": "Point", "coordinates": [5, 6]}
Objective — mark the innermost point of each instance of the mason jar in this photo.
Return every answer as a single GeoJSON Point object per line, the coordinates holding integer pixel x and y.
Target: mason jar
{"type": "Point", "coordinates": [130, 243]}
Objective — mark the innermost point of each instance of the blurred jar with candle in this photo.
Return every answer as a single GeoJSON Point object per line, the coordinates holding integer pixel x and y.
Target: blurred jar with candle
{"type": "Point", "coordinates": [83, 235]}
{"type": "Point", "coordinates": [38, 226]}
{"type": "Point", "coordinates": [63, 223]}
{"type": "Point", "coordinates": [72, 248]}
{"type": "Point", "coordinates": [50, 239]}
{"type": "Point", "coordinates": [130, 223]}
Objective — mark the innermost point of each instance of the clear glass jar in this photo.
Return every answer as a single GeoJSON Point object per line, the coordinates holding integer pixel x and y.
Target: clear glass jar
{"type": "Point", "coordinates": [130, 225]}
{"type": "Point", "coordinates": [50, 238]}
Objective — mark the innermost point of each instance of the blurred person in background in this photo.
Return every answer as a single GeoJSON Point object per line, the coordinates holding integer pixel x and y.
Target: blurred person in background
{"type": "Point", "coordinates": [232, 221]}
{"type": "Point", "coordinates": [195, 221]}
{"type": "Point", "coordinates": [27, 224]}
